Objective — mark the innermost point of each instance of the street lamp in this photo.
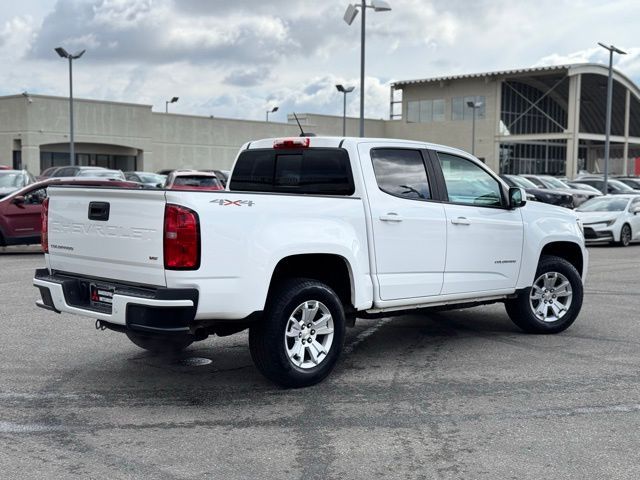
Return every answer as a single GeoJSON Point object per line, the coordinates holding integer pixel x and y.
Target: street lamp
{"type": "Point", "coordinates": [344, 90]}
{"type": "Point", "coordinates": [273, 110]}
{"type": "Point", "coordinates": [167, 102]}
{"type": "Point", "coordinates": [612, 49]}
{"type": "Point", "coordinates": [71, 57]}
{"type": "Point", "coordinates": [349, 16]}
{"type": "Point", "coordinates": [475, 106]}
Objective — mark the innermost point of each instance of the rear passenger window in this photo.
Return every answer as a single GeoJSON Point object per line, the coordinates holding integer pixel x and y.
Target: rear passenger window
{"type": "Point", "coordinates": [401, 173]}
{"type": "Point", "coordinates": [319, 171]}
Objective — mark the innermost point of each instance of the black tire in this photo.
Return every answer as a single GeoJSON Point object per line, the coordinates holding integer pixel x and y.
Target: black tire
{"type": "Point", "coordinates": [625, 235]}
{"type": "Point", "coordinates": [161, 345]}
{"type": "Point", "coordinates": [267, 336]}
{"type": "Point", "coordinates": [521, 311]}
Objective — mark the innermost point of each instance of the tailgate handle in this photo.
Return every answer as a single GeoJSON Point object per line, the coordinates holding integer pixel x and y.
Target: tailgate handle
{"type": "Point", "coordinates": [99, 211]}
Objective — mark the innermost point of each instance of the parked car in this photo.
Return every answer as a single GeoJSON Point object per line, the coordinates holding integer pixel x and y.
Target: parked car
{"type": "Point", "coordinates": [103, 173]}
{"type": "Point", "coordinates": [545, 195]}
{"type": "Point", "coordinates": [66, 171]}
{"type": "Point", "coordinates": [12, 180]}
{"type": "Point", "coordinates": [633, 182]}
{"type": "Point", "coordinates": [20, 211]}
{"type": "Point", "coordinates": [192, 180]}
{"type": "Point", "coordinates": [148, 179]}
{"type": "Point", "coordinates": [311, 233]}
{"type": "Point", "coordinates": [611, 218]}
{"type": "Point", "coordinates": [614, 187]}
{"type": "Point", "coordinates": [547, 181]}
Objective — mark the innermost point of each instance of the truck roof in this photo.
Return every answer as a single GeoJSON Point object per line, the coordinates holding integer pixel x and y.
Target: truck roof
{"type": "Point", "coordinates": [336, 142]}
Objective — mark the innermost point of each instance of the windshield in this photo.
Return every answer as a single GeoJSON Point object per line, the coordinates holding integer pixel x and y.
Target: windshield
{"type": "Point", "coordinates": [604, 205]}
{"type": "Point", "coordinates": [618, 185]}
{"type": "Point", "coordinates": [10, 180]}
{"type": "Point", "coordinates": [583, 186]}
{"type": "Point", "coordinates": [554, 183]}
{"type": "Point", "coordinates": [197, 181]}
{"type": "Point", "coordinates": [632, 182]}
{"type": "Point", "coordinates": [102, 174]}
{"type": "Point", "coordinates": [522, 182]}
{"type": "Point", "coordinates": [151, 178]}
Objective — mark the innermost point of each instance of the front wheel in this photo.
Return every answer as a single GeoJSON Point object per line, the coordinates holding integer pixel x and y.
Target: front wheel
{"type": "Point", "coordinates": [299, 340]}
{"type": "Point", "coordinates": [625, 236]}
{"type": "Point", "coordinates": [554, 300]}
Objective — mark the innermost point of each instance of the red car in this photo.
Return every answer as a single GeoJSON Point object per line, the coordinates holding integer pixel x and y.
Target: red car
{"type": "Point", "coordinates": [192, 180]}
{"type": "Point", "coordinates": [20, 211]}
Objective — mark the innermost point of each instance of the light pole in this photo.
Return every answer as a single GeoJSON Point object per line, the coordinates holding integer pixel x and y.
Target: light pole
{"type": "Point", "coordinates": [344, 90]}
{"type": "Point", "coordinates": [475, 106]}
{"type": "Point", "coordinates": [612, 49]}
{"type": "Point", "coordinates": [167, 102]}
{"type": "Point", "coordinates": [273, 110]}
{"type": "Point", "coordinates": [71, 57]}
{"type": "Point", "coordinates": [349, 16]}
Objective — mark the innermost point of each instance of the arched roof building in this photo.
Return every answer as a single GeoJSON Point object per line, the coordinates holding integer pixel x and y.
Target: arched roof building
{"type": "Point", "coordinates": [535, 120]}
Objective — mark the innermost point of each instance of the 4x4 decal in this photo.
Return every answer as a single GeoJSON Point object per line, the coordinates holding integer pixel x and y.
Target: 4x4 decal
{"type": "Point", "coordinates": [233, 203]}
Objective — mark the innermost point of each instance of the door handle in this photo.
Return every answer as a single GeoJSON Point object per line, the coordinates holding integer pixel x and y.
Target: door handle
{"type": "Point", "coordinates": [460, 221]}
{"type": "Point", "coordinates": [391, 217]}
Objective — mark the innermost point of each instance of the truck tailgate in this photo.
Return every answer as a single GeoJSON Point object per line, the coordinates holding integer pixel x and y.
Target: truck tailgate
{"type": "Point", "coordinates": [110, 233]}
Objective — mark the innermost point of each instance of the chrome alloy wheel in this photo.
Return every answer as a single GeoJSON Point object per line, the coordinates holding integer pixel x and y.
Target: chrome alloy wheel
{"type": "Point", "coordinates": [550, 297]}
{"type": "Point", "coordinates": [309, 334]}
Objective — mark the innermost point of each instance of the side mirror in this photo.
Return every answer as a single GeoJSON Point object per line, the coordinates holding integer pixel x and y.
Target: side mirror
{"type": "Point", "coordinates": [19, 200]}
{"type": "Point", "coordinates": [635, 209]}
{"type": "Point", "coordinates": [517, 197]}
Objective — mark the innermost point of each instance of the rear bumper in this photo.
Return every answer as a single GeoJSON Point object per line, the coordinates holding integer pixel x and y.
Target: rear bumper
{"type": "Point", "coordinates": [153, 310]}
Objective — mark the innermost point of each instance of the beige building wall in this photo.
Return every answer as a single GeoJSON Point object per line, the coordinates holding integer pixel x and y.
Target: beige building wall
{"type": "Point", "coordinates": [454, 133]}
{"type": "Point", "coordinates": [332, 125]}
{"type": "Point", "coordinates": [185, 141]}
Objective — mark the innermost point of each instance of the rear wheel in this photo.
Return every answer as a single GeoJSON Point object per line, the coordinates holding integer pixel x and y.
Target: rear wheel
{"type": "Point", "coordinates": [162, 345]}
{"type": "Point", "coordinates": [625, 236]}
{"type": "Point", "coordinates": [300, 338]}
{"type": "Point", "coordinates": [554, 300]}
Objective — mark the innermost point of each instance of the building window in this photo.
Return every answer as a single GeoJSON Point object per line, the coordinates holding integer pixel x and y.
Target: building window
{"type": "Point", "coordinates": [425, 111]}
{"type": "Point", "coordinates": [548, 157]}
{"type": "Point", "coordinates": [527, 110]}
{"type": "Point", "coordinates": [438, 110]}
{"type": "Point", "coordinates": [413, 112]}
{"type": "Point", "coordinates": [460, 110]}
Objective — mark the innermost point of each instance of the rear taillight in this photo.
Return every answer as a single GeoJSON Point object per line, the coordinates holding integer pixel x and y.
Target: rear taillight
{"type": "Point", "coordinates": [44, 226]}
{"type": "Point", "coordinates": [181, 238]}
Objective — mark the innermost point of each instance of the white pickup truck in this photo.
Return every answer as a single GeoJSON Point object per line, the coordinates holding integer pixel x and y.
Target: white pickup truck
{"type": "Point", "coordinates": [310, 234]}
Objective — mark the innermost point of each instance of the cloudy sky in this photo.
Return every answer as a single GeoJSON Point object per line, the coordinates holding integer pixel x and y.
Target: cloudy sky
{"type": "Point", "coordinates": [237, 58]}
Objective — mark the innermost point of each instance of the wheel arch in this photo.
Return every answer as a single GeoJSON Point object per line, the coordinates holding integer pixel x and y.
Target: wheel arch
{"type": "Point", "coordinates": [331, 269]}
{"type": "Point", "coordinates": [570, 251]}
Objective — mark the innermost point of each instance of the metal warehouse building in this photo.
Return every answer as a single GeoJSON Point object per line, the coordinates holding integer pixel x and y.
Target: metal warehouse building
{"type": "Point", "coordinates": [536, 120]}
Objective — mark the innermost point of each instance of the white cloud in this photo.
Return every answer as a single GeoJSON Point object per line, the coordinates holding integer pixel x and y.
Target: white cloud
{"type": "Point", "coordinates": [16, 36]}
{"type": "Point", "coordinates": [232, 58]}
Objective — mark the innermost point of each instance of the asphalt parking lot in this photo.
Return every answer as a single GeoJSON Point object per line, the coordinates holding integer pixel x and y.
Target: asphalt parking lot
{"type": "Point", "coordinates": [461, 394]}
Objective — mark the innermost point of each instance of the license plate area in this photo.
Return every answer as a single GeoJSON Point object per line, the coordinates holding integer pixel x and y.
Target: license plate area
{"type": "Point", "coordinates": [101, 296]}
